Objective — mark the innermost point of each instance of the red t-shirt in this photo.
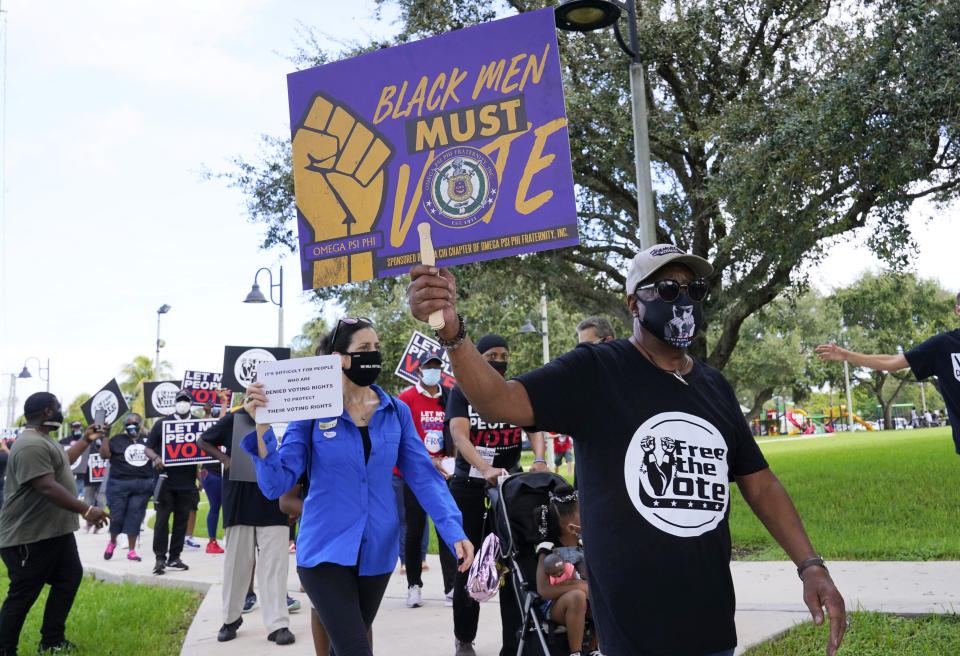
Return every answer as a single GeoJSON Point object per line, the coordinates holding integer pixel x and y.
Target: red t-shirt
{"type": "Point", "coordinates": [428, 418]}
{"type": "Point", "coordinates": [561, 443]}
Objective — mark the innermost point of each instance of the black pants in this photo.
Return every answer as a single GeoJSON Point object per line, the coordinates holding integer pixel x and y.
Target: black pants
{"type": "Point", "coordinates": [469, 493]}
{"type": "Point", "coordinates": [54, 561]}
{"type": "Point", "coordinates": [178, 502]}
{"type": "Point", "coordinates": [416, 520]}
{"type": "Point", "coordinates": [346, 603]}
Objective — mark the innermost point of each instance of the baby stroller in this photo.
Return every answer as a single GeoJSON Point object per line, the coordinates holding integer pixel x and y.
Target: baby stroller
{"type": "Point", "coordinates": [517, 507]}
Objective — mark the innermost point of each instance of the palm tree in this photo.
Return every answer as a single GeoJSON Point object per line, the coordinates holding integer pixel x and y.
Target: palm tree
{"type": "Point", "coordinates": [137, 371]}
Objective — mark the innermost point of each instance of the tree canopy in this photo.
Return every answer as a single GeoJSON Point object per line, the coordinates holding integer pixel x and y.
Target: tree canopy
{"type": "Point", "coordinates": [777, 127]}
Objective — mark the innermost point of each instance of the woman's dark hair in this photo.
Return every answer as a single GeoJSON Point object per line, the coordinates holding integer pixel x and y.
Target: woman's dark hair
{"type": "Point", "coordinates": [338, 339]}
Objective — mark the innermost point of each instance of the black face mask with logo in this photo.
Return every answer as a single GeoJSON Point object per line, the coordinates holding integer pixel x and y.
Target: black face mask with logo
{"type": "Point", "coordinates": [672, 323]}
{"type": "Point", "coordinates": [501, 367]}
{"type": "Point", "coordinates": [364, 367]}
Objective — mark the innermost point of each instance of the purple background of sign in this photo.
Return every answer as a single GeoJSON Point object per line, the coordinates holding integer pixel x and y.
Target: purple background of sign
{"type": "Point", "coordinates": [359, 81]}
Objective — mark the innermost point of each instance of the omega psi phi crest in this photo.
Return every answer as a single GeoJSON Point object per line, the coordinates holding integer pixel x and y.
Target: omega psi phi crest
{"type": "Point", "coordinates": [460, 187]}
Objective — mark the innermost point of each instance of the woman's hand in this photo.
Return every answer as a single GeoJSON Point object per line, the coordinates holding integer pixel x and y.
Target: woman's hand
{"type": "Point", "coordinates": [464, 551]}
{"type": "Point", "coordinates": [253, 399]}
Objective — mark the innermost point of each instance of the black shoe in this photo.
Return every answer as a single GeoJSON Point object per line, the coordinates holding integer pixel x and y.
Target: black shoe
{"type": "Point", "coordinates": [62, 647]}
{"type": "Point", "coordinates": [282, 637]}
{"type": "Point", "coordinates": [176, 563]}
{"type": "Point", "coordinates": [229, 631]}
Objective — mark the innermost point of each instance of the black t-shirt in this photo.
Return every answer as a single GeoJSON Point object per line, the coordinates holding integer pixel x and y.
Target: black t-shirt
{"type": "Point", "coordinates": [940, 356]}
{"type": "Point", "coordinates": [243, 502]}
{"type": "Point", "coordinates": [181, 477]}
{"type": "Point", "coordinates": [128, 457]}
{"type": "Point", "coordinates": [67, 442]}
{"type": "Point", "coordinates": [504, 441]}
{"type": "Point", "coordinates": [654, 461]}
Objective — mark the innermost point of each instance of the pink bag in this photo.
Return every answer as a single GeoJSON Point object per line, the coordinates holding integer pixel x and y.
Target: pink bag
{"type": "Point", "coordinates": [485, 576]}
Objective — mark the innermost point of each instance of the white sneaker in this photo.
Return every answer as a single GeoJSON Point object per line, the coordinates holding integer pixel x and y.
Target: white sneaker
{"type": "Point", "coordinates": [414, 597]}
{"type": "Point", "coordinates": [449, 598]}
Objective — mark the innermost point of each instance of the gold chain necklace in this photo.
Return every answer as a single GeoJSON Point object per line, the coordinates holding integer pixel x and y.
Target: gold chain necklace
{"type": "Point", "coordinates": [674, 372]}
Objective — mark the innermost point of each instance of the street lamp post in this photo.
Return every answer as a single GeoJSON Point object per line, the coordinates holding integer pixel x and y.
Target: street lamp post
{"type": "Point", "coordinates": [590, 15]}
{"type": "Point", "coordinates": [40, 369]}
{"type": "Point", "coordinates": [163, 309]}
{"type": "Point", "coordinates": [256, 296]}
{"type": "Point", "coordinates": [11, 401]}
{"type": "Point", "coordinates": [528, 328]}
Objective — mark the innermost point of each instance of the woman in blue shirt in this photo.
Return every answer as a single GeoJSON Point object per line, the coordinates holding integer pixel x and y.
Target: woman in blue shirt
{"type": "Point", "coordinates": [347, 545]}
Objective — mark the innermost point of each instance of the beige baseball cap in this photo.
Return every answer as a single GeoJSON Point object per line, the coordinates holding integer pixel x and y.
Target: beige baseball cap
{"type": "Point", "coordinates": [648, 261]}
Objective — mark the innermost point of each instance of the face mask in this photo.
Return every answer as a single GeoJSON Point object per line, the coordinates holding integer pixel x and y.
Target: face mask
{"type": "Point", "coordinates": [77, 432]}
{"type": "Point", "coordinates": [215, 412]}
{"type": "Point", "coordinates": [182, 407]}
{"type": "Point", "coordinates": [364, 367]}
{"type": "Point", "coordinates": [673, 323]}
{"type": "Point", "coordinates": [430, 377]}
{"type": "Point", "coordinates": [55, 420]}
{"type": "Point", "coordinates": [132, 429]}
{"type": "Point", "coordinates": [501, 367]}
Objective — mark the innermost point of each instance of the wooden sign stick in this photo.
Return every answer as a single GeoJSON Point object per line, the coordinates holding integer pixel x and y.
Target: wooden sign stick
{"type": "Point", "coordinates": [428, 257]}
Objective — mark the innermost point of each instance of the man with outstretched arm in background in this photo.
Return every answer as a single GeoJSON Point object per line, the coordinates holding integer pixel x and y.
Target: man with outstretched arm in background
{"type": "Point", "coordinates": [670, 420]}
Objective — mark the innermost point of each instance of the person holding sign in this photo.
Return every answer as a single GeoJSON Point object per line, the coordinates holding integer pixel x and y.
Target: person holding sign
{"type": "Point", "coordinates": [347, 546]}
{"type": "Point", "coordinates": [485, 452]}
{"type": "Point", "coordinates": [37, 543]}
{"type": "Point", "coordinates": [673, 427]}
{"type": "Point", "coordinates": [130, 484]}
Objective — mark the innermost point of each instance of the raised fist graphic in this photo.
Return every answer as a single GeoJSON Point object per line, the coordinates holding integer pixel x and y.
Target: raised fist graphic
{"type": "Point", "coordinates": [648, 444]}
{"type": "Point", "coordinates": [339, 174]}
{"type": "Point", "coordinates": [667, 444]}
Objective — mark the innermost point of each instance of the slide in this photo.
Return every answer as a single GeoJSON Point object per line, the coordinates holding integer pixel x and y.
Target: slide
{"type": "Point", "coordinates": [841, 413]}
{"type": "Point", "coordinates": [801, 428]}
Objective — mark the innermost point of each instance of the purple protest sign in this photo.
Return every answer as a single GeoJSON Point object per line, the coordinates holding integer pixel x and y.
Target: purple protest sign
{"type": "Point", "coordinates": [466, 131]}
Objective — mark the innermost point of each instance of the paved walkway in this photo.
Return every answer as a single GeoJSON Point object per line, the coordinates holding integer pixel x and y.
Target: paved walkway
{"type": "Point", "coordinates": [768, 601]}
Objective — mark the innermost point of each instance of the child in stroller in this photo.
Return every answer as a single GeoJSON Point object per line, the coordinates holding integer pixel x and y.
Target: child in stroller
{"type": "Point", "coordinates": [561, 580]}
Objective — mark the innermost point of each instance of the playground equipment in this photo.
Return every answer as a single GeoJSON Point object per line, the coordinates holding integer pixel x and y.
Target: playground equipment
{"type": "Point", "coordinates": [839, 412]}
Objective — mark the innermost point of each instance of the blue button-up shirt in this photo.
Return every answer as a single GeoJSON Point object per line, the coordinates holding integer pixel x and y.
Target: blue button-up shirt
{"type": "Point", "coordinates": [350, 513]}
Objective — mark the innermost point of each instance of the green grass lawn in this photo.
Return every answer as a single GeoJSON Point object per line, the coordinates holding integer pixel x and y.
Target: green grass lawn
{"type": "Point", "coordinates": [121, 619]}
{"type": "Point", "coordinates": [872, 634]}
{"type": "Point", "coordinates": [872, 495]}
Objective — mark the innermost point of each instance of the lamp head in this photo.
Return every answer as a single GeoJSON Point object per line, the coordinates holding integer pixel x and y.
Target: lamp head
{"type": "Point", "coordinates": [528, 328]}
{"type": "Point", "coordinates": [25, 373]}
{"type": "Point", "coordinates": [587, 15]}
{"type": "Point", "coordinates": [255, 295]}
{"type": "Point", "coordinates": [163, 309]}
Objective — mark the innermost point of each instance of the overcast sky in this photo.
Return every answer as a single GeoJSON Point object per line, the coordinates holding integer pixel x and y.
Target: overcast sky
{"type": "Point", "coordinates": [113, 109]}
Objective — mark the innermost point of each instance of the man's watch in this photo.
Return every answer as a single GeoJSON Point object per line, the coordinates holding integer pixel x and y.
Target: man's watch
{"type": "Point", "coordinates": [813, 561]}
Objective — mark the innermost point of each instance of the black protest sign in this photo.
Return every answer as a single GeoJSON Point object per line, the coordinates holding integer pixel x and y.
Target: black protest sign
{"type": "Point", "coordinates": [96, 468]}
{"type": "Point", "coordinates": [78, 466]}
{"type": "Point", "coordinates": [203, 386]}
{"type": "Point", "coordinates": [110, 399]}
{"type": "Point", "coordinates": [240, 363]}
{"type": "Point", "coordinates": [180, 442]}
{"type": "Point", "coordinates": [159, 397]}
{"type": "Point", "coordinates": [417, 349]}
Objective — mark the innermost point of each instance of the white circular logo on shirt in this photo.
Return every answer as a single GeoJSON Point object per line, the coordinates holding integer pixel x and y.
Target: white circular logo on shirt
{"type": "Point", "coordinates": [108, 401]}
{"type": "Point", "coordinates": [675, 470]}
{"type": "Point", "coordinates": [135, 455]}
{"type": "Point", "coordinates": [164, 398]}
{"type": "Point", "coordinates": [245, 368]}
{"type": "Point", "coordinates": [433, 440]}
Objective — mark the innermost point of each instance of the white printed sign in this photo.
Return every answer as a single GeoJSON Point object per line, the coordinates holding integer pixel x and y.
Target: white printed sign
{"type": "Point", "coordinates": [302, 388]}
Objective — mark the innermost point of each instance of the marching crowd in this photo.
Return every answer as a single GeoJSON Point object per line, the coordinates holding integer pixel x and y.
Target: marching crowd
{"type": "Point", "coordinates": [659, 437]}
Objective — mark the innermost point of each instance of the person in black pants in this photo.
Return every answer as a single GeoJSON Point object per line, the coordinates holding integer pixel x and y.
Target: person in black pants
{"type": "Point", "coordinates": [176, 495]}
{"type": "Point", "coordinates": [37, 544]}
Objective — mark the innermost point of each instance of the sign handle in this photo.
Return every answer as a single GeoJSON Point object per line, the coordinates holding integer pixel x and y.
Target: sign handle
{"type": "Point", "coordinates": [428, 257]}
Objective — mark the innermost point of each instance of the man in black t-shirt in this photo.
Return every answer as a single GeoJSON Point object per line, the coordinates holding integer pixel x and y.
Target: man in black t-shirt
{"type": "Point", "coordinates": [256, 532]}
{"type": "Point", "coordinates": [659, 437]}
{"type": "Point", "coordinates": [178, 493]}
{"type": "Point", "coordinates": [938, 356]}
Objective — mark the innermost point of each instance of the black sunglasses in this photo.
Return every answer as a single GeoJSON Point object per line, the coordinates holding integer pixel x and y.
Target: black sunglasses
{"type": "Point", "coordinates": [669, 290]}
{"type": "Point", "coordinates": [350, 321]}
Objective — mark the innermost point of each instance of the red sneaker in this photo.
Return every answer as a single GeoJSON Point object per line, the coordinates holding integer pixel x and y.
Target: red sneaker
{"type": "Point", "coordinates": [213, 547]}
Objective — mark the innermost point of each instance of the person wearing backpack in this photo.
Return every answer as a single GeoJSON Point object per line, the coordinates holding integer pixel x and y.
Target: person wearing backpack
{"type": "Point", "coordinates": [347, 545]}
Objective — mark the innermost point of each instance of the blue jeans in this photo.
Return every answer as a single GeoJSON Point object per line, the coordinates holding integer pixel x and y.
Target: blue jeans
{"type": "Point", "coordinates": [127, 499]}
{"type": "Point", "coordinates": [402, 515]}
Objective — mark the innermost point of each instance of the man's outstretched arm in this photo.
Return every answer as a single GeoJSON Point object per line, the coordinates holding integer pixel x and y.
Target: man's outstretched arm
{"type": "Point", "coordinates": [832, 352]}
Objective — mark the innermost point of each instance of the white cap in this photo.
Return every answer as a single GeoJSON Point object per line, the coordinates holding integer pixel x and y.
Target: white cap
{"type": "Point", "coordinates": [648, 261]}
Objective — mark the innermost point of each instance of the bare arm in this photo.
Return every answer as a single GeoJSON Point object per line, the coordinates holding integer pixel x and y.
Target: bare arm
{"type": "Point", "coordinates": [105, 446]}
{"type": "Point", "coordinates": [538, 442]}
{"type": "Point", "coordinates": [832, 352]}
{"type": "Point", "coordinates": [493, 397]}
{"type": "Point", "coordinates": [79, 447]}
{"type": "Point", "coordinates": [460, 430]}
{"type": "Point", "coordinates": [772, 505]}
{"type": "Point", "coordinates": [290, 501]}
{"type": "Point", "coordinates": [214, 452]}
{"type": "Point", "coordinates": [549, 590]}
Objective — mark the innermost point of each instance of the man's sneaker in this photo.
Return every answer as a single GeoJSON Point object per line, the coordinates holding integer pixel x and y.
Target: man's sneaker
{"type": "Point", "coordinates": [108, 553]}
{"type": "Point", "coordinates": [292, 548]}
{"type": "Point", "coordinates": [282, 637]}
{"type": "Point", "coordinates": [213, 547]}
{"type": "Point", "coordinates": [229, 631]}
{"type": "Point", "coordinates": [250, 602]}
{"type": "Point", "coordinates": [132, 555]}
{"type": "Point", "coordinates": [176, 563]}
{"type": "Point", "coordinates": [190, 542]}
{"type": "Point", "coordinates": [463, 648]}
{"type": "Point", "coordinates": [62, 647]}
{"type": "Point", "coordinates": [159, 567]}
{"type": "Point", "coordinates": [448, 596]}
{"type": "Point", "coordinates": [414, 597]}
{"type": "Point", "coordinates": [292, 604]}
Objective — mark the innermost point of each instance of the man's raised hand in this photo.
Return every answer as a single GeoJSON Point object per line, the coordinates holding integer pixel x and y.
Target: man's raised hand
{"type": "Point", "coordinates": [433, 289]}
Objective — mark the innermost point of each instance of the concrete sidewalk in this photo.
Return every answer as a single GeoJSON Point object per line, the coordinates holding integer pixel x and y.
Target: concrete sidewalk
{"type": "Point", "coordinates": [768, 601]}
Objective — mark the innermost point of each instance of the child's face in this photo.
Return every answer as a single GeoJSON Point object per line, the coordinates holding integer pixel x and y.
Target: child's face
{"type": "Point", "coordinates": [571, 522]}
{"type": "Point", "coordinates": [557, 569]}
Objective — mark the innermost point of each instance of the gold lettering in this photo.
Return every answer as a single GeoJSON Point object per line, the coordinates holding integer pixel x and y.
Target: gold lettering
{"type": "Point", "coordinates": [490, 76]}
{"type": "Point", "coordinates": [400, 225]}
{"type": "Point", "coordinates": [384, 103]}
{"type": "Point", "coordinates": [396, 108]}
{"type": "Point", "coordinates": [513, 70]}
{"type": "Point", "coordinates": [460, 135]}
{"type": "Point", "coordinates": [536, 163]}
{"type": "Point", "coordinates": [450, 91]}
{"type": "Point", "coordinates": [439, 82]}
{"type": "Point", "coordinates": [532, 67]}
{"type": "Point", "coordinates": [418, 97]}
{"type": "Point", "coordinates": [429, 136]}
